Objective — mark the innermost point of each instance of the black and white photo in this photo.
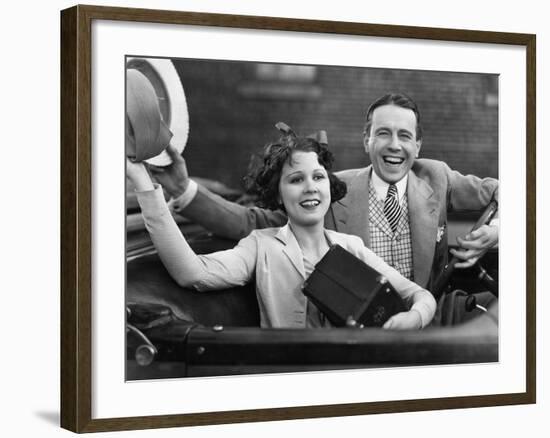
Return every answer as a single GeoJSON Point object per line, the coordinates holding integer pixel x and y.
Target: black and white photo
{"type": "Point", "coordinates": [260, 163]}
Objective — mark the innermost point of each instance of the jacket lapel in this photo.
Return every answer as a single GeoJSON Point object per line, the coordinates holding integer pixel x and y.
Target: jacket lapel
{"type": "Point", "coordinates": [423, 216]}
{"type": "Point", "coordinates": [351, 213]}
{"type": "Point", "coordinates": [291, 248]}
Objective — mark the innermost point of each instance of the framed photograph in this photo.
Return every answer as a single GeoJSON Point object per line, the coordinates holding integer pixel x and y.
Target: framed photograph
{"type": "Point", "coordinates": [163, 304]}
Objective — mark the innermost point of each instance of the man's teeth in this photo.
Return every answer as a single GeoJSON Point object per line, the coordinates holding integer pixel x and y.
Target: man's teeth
{"type": "Point", "coordinates": [393, 160]}
{"type": "Point", "coordinates": [310, 203]}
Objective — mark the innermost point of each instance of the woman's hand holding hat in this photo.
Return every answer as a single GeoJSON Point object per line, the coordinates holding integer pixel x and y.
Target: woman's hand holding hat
{"type": "Point", "coordinates": [138, 175]}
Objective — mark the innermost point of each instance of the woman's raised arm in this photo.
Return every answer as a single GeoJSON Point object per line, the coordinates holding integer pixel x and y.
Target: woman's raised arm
{"type": "Point", "coordinates": [212, 271]}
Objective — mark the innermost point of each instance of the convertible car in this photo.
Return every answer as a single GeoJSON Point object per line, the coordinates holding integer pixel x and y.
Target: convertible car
{"type": "Point", "coordinates": [175, 332]}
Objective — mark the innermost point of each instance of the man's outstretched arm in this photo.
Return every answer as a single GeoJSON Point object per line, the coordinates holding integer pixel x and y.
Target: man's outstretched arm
{"type": "Point", "coordinates": [198, 204]}
{"type": "Point", "coordinates": [471, 192]}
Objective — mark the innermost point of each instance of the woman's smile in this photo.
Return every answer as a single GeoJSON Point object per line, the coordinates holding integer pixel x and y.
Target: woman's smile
{"type": "Point", "coordinates": [310, 204]}
{"type": "Point", "coordinates": [304, 189]}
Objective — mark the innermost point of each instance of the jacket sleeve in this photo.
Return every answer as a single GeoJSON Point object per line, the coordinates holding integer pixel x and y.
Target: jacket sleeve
{"type": "Point", "coordinates": [226, 218]}
{"type": "Point", "coordinates": [469, 192]}
{"type": "Point", "coordinates": [416, 297]}
{"type": "Point", "coordinates": [218, 270]}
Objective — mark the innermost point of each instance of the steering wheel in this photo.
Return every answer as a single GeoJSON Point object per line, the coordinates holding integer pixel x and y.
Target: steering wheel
{"type": "Point", "coordinates": [483, 276]}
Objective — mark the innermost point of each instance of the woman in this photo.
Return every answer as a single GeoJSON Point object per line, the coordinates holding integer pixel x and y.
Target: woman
{"type": "Point", "coordinates": [295, 176]}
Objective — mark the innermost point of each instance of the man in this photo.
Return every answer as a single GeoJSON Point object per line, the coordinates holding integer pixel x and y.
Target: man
{"type": "Point", "coordinates": [398, 205]}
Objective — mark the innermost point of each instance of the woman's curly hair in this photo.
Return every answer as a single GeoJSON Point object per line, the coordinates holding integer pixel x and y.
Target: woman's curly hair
{"type": "Point", "coordinates": [265, 170]}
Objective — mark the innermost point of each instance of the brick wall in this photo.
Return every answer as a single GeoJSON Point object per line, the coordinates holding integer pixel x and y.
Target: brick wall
{"type": "Point", "coordinates": [233, 112]}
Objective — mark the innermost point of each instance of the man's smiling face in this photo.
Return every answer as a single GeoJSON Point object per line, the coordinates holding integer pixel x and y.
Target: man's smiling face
{"type": "Point", "coordinates": [391, 142]}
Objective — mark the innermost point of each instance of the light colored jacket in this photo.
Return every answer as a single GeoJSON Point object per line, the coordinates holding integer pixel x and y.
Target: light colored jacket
{"type": "Point", "coordinates": [272, 256]}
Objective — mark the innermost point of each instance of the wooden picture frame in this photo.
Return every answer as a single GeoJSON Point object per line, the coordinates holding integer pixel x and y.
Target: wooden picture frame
{"type": "Point", "coordinates": [76, 217]}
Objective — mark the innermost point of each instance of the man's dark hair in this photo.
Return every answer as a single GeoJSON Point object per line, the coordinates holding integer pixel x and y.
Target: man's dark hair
{"type": "Point", "coordinates": [265, 172]}
{"type": "Point", "coordinates": [397, 99]}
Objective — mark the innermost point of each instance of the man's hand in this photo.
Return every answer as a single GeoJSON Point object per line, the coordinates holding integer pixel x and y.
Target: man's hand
{"type": "Point", "coordinates": [475, 244]}
{"type": "Point", "coordinates": [174, 177]}
{"type": "Point", "coordinates": [410, 320]}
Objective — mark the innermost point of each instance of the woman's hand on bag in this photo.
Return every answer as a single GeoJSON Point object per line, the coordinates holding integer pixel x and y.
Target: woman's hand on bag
{"type": "Point", "coordinates": [404, 321]}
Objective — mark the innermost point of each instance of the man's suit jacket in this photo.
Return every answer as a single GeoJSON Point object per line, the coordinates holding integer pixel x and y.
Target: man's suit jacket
{"type": "Point", "coordinates": [272, 256]}
{"type": "Point", "coordinates": [432, 190]}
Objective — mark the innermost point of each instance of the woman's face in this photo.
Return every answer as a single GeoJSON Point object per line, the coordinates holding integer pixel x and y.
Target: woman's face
{"type": "Point", "coordinates": [304, 189]}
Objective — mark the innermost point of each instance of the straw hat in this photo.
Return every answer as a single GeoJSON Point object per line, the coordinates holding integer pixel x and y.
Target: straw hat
{"type": "Point", "coordinates": [146, 133]}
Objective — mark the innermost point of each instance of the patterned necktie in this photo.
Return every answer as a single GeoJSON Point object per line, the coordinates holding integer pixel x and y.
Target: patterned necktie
{"type": "Point", "coordinates": [392, 210]}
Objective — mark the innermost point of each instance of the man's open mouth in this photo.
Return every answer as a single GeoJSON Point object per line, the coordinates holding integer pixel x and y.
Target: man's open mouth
{"type": "Point", "coordinates": [393, 161]}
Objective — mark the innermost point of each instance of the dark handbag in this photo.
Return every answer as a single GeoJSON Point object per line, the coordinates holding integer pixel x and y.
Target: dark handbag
{"type": "Point", "coordinates": [351, 293]}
